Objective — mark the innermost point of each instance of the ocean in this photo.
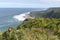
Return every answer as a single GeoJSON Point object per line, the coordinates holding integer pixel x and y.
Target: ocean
{"type": "Point", "coordinates": [7, 14]}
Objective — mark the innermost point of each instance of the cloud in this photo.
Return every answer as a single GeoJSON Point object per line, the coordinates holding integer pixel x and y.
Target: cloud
{"type": "Point", "coordinates": [23, 5]}
{"type": "Point", "coordinates": [49, 1]}
{"type": "Point", "coordinates": [30, 3]}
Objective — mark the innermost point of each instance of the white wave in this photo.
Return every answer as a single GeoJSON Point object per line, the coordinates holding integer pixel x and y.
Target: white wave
{"type": "Point", "coordinates": [21, 17]}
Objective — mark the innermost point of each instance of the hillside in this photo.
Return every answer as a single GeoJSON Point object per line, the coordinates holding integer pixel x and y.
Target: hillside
{"type": "Point", "coordinates": [48, 13]}
{"type": "Point", "coordinates": [35, 29]}
{"type": "Point", "coordinates": [45, 26]}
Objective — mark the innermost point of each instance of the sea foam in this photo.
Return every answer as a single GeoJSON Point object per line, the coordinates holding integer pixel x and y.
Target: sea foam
{"type": "Point", "coordinates": [21, 17]}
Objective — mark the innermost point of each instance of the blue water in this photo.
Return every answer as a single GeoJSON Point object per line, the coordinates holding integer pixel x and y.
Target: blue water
{"type": "Point", "coordinates": [6, 16]}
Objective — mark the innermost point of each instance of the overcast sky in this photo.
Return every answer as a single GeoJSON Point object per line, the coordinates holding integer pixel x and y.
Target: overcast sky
{"type": "Point", "coordinates": [29, 3]}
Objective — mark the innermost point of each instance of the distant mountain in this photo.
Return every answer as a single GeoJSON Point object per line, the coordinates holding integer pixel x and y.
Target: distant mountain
{"type": "Point", "coordinates": [49, 13]}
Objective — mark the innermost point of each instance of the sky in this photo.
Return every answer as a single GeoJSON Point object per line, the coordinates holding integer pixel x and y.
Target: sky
{"type": "Point", "coordinates": [29, 3]}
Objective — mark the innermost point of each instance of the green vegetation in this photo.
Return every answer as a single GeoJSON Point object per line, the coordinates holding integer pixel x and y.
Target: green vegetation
{"type": "Point", "coordinates": [49, 13]}
{"type": "Point", "coordinates": [35, 29]}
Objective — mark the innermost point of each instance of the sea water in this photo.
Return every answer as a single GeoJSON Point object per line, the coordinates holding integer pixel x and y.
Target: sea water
{"type": "Point", "coordinates": [7, 14]}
